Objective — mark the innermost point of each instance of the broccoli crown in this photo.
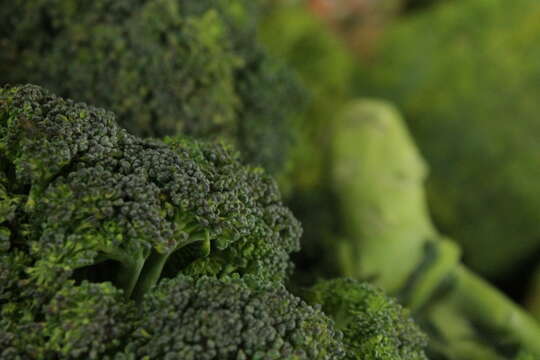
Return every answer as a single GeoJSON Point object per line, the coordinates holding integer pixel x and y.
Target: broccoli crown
{"type": "Point", "coordinates": [375, 327]}
{"type": "Point", "coordinates": [83, 192]}
{"type": "Point", "coordinates": [231, 319]}
{"type": "Point", "coordinates": [164, 67]}
{"type": "Point", "coordinates": [93, 217]}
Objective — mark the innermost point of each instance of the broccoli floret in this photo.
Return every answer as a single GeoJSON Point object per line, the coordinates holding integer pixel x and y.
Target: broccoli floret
{"type": "Point", "coordinates": [98, 196]}
{"type": "Point", "coordinates": [164, 67]}
{"type": "Point", "coordinates": [375, 326]}
{"type": "Point", "coordinates": [180, 319]}
{"type": "Point", "coordinates": [87, 321]}
{"type": "Point", "coordinates": [231, 319]}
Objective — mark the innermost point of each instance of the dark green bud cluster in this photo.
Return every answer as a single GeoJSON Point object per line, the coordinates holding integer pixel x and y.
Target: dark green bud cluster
{"type": "Point", "coordinates": [232, 319]}
{"type": "Point", "coordinates": [93, 194]}
{"type": "Point", "coordinates": [87, 321]}
{"type": "Point", "coordinates": [375, 326]}
{"type": "Point", "coordinates": [92, 216]}
{"type": "Point", "coordinates": [164, 67]}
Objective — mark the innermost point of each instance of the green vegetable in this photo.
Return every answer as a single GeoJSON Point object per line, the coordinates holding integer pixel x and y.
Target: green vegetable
{"type": "Point", "coordinates": [375, 327]}
{"type": "Point", "coordinates": [121, 248]}
{"type": "Point", "coordinates": [164, 67]}
{"type": "Point", "coordinates": [90, 194]}
{"type": "Point", "coordinates": [378, 178]}
{"type": "Point", "coordinates": [90, 202]}
{"type": "Point", "coordinates": [464, 73]}
{"type": "Point", "coordinates": [231, 319]}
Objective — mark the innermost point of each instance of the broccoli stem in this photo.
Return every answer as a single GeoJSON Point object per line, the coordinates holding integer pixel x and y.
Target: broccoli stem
{"type": "Point", "coordinates": [154, 264]}
{"type": "Point", "coordinates": [127, 276]}
{"type": "Point", "coordinates": [486, 306]}
{"type": "Point", "coordinates": [150, 274]}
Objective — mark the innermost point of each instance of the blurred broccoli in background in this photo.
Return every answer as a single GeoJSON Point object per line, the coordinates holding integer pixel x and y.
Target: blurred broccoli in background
{"type": "Point", "coordinates": [324, 67]}
{"type": "Point", "coordinates": [378, 177]}
{"type": "Point", "coordinates": [465, 75]}
{"type": "Point", "coordinates": [165, 67]}
{"type": "Point", "coordinates": [326, 70]}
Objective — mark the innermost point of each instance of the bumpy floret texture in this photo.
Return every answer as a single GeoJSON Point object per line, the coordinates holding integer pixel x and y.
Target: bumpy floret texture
{"type": "Point", "coordinates": [164, 67]}
{"type": "Point", "coordinates": [87, 320]}
{"type": "Point", "coordinates": [232, 319]}
{"type": "Point", "coordinates": [181, 319]}
{"type": "Point", "coordinates": [375, 327]}
{"type": "Point", "coordinates": [92, 218]}
{"type": "Point", "coordinates": [90, 192]}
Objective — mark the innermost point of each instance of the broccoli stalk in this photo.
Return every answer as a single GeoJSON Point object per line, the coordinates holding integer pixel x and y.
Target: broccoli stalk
{"type": "Point", "coordinates": [378, 176]}
{"type": "Point", "coordinates": [154, 264]}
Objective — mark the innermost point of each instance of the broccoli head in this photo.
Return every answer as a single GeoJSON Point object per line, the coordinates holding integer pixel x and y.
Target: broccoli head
{"type": "Point", "coordinates": [231, 319]}
{"type": "Point", "coordinates": [93, 217]}
{"type": "Point", "coordinates": [164, 67]}
{"type": "Point", "coordinates": [375, 326]}
{"type": "Point", "coordinates": [91, 201]}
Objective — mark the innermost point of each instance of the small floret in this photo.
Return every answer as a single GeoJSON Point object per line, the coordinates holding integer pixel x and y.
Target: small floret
{"type": "Point", "coordinates": [375, 327]}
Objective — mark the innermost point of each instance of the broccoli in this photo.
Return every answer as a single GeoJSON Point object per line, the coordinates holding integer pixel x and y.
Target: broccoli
{"type": "Point", "coordinates": [164, 67]}
{"type": "Point", "coordinates": [231, 319]}
{"type": "Point", "coordinates": [326, 69]}
{"type": "Point", "coordinates": [375, 327]}
{"type": "Point", "coordinates": [378, 175]}
{"type": "Point", "coordinates": [93, 218]}
{"type": "Point", "coordinates": [468, 90]}
{"type": "Point", "coordinates": [93, 200]}
{"type": "Point", "coordinates": [182, 318]}
{"type": "Point", "coordinates": [87, 320]}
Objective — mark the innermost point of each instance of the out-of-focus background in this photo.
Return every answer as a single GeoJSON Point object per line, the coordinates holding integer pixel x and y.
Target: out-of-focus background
{"type": "Point", "coordinates": [465, 76]}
